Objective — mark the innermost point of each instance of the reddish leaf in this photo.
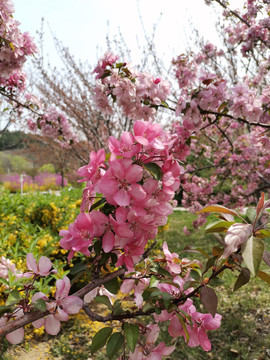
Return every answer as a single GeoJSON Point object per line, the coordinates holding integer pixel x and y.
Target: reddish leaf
{"type": "Point", "coordinates": [260, 205]}
{"type": "Point", "coordinates": [209, 299]}
{"type": "Point", "coordinates": [266, 257]}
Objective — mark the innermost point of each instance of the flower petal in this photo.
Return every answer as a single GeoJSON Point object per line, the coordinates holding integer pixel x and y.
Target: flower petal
{"type": "Point", "coordinates": [15, 337]}
{"type": "Point", "coordinates": [52, 325]}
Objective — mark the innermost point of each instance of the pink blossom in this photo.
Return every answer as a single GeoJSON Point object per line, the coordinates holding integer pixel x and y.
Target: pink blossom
{"type": "Point", "coordinates": [79, 235]}
{"type": "Point", "coordinates": [43, 268]}
{"type": "Point", "coordinates": [119, 182]}
{"type": "Point", "coordinates": [60, 308]}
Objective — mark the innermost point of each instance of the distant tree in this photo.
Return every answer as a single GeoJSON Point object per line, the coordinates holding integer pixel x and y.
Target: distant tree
{"type": "Point", "coordinates": [11, 140]}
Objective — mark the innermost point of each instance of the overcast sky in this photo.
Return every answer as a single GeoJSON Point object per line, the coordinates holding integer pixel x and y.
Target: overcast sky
{"type": "Point", "coordinates": [82, 25]}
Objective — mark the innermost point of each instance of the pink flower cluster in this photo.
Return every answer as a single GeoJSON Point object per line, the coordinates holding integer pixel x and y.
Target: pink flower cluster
{"type": "Point", "coordinates": [54, 124]}
{"type": "Point", "coordinates": [59, 309]}
{"type": "Point", "coordinates": [196, 324]}
{"type": "Point", "coordinates": [14, 46]}
{"type": "Point", "coordinates": [137, 94]}
{"type": "Point", "coordinates": [138, 185]}
{"type": "Point", "coordinates": [5, 266]}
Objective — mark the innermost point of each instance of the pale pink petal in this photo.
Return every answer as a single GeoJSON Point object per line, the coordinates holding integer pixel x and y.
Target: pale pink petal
{"type": "Point", "coordinates": [175, 328]}
{"type": "Point", "coordinates": [210, 323]}
{"type": "Point", "coordinates": [137, 192]}
{"type": "Point", "coordinates": [52, 325]}
{"type": "Point", "coordinates": [121, 214]}
{"type": "Point", "coordinates": [134, 174]}
{"type": "Point", "coordinates": [31, 263]}
{"type": "Point", "coordinates": [38, 323]}
{"type": "Point", "coordinates": [124, 231]}
{"type": "Point", "coordinates": [203, 339]}
{"type": "Point", "coordinates": [139, 127]}
{"type": "Point", "coordinates": [127, 286]}
{"type": "Point", "coordinates": [15, 337]}
{"type": "Point", "coordinates": [153, 334]}
{"type": "Point", "coordinates": [89, 297]}
{"type": "Point", "coordinates": [163, 316]}
{"type": "Point", "coordinates": [44, 265]}
{"type": "Point", "coordinates": [62, 287]}
{"type": "Point", "coordinates": [61, 315]}
{"type": "Point", "coordinates": [122, 198]}
{"type": "Point", "coordinates": [108, 241]}
{"type": "Point", "coordinates": [193, 336]}
{"type": "Point", "coordinates": [72, 304]}
{"type": "Point", "coordinates": [39, 295]}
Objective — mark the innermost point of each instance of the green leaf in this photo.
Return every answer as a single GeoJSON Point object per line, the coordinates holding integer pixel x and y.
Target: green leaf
{"type": "Point", "coordinates": [264, 276]}
{"type": "Point", "coordinates": [13, 298]}
{"type": "Point", "coordinates": [114, 258]}
{"type": "Point", "coordinates": [40, 305]}
{"type": "Point", "coordinates": [119, 65]}
{"type": "Point", "coordinates": [209, 299]}
{"type": "Point", "coordinates": [153, 281]}
{"type": "Point", "coordinates": [114, 343]}
{"type": "Point", "coordinates": [218, 225]}
{"type": "Point", "coordinates": [100, 339]}
{"type": "Point", "coordinates": [157, 310]}
{"type": "Point", "coordinates": [112, 286]}
{"type": "Point", "coordinates": [4, 281]}
{"type": "Point", "coordinates": [263, 233]}
{"type": "Point", "coordinates": [77, 268]}
{"type": "Point", "coordinates": [4, 309]}
{"type": "Point", "coordinates": [164, 272]}
{"type": "Point", "coordinates": [217, 281]}
{"type": "Point", "coordinates": [195, 275]}
{"type": "Point", "coordinates": [104, 258]}
{"type": "Point", "coordinates": [165, 104]}
{"type": "Point", "coordinates": [251, 214]}
{"type": "Point", "coordinates": [117, 309]}
{"type": "Point", "coordinates": [154, 170]}
{"type": "Point", "coordinates": [183, 326]}
{"type": "Point", "coordinates": [242, 279]}
{"type": "Point", "coordinates": [103, 299]}
{"type": "Point", "coordinates": [210, 263]}
{"type": "Point", "coordinates": [98, 246]}
{"type": "Point", "coordinates": [167, 299]}
{"type": "Point", "coordinates": [151, 293]}
{"type": "Point", "coordinates": [218, 209]}
{"type": "Point", "coordinates": [12, 46]}
{"type": "Point", "coordinates": [252, 252]}
{"type": "Point", "coordinates": [132, 333]}
{"type": "Point", "coordinates": [97, 204]}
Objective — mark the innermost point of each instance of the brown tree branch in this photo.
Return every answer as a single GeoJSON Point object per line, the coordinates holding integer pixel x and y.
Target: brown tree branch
{"type": "Point", "coordinates": [35, 315]}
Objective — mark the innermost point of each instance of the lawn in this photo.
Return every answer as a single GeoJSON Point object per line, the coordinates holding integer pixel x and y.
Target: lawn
{"type": "Point", "coordinates": [245, 329]}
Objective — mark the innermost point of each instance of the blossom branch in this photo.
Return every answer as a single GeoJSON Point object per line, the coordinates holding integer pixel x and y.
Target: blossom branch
{"type": "Point", "coordinates": [35, 315]}
{"type": "Point", "coordinates": [128, 315]}
{"type": "Point", "coordinates": [233, 13]}
{"type": "Point", "coordinates": [266, 126]}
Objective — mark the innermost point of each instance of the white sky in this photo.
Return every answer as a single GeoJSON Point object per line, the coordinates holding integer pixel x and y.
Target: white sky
{"type": "Point", "coordinates": [82, 25]}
